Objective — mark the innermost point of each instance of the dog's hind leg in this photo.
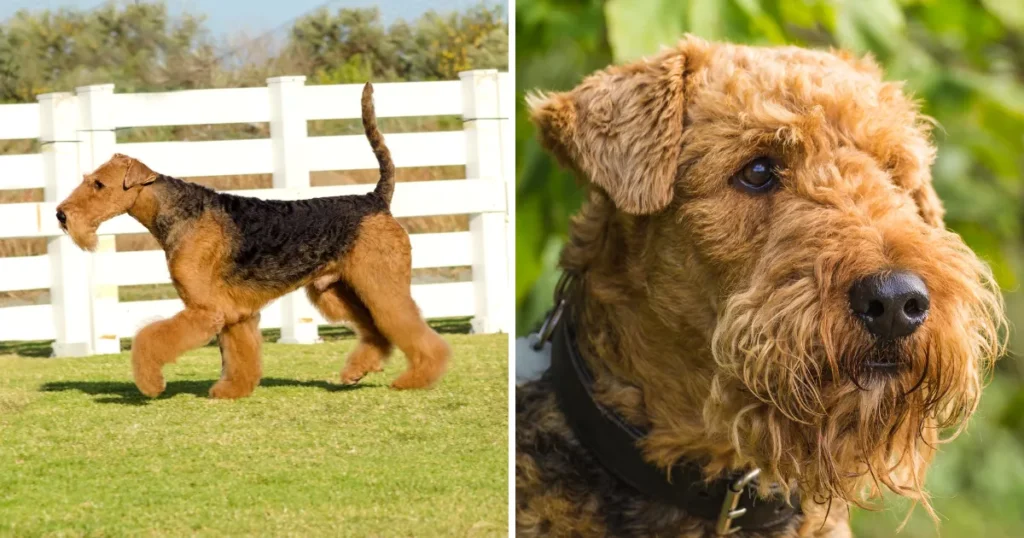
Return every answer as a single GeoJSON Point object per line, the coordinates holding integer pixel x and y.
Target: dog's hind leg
{"type": "Point", "coordinates": [163, 341]}
{"type": "Point", "coordinates": [241, 369]}
{"type": "Point", "coordinates": [379, 270]}
{"type": "Point", "coordinates": [339, 303]}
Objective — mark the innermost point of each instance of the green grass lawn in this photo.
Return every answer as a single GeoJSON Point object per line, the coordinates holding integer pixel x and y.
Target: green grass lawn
{"type": "Point", "coordinates": [83, 454]}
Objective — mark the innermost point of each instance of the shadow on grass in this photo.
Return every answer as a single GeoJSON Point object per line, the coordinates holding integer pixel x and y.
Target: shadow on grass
{"type": "Point", "coordinates": [124, 393]}
{"type": "Point", "coordinates": [329, 333]}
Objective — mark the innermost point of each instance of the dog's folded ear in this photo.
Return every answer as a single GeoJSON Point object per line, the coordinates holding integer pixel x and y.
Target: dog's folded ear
{"type": "Point", "coordinates": [622, 127]}
{"type": "Point", "coordinates": [136, 172]}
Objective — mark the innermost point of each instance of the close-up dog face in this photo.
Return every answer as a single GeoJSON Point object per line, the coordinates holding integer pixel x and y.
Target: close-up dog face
{"type": "Point", "coordinates": [109, 191]}
{"type": "Point", "coordinates": [777, 208]}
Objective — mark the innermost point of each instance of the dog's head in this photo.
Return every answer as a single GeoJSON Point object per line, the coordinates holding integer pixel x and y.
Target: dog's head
{"type": "Point", "coordinates": [763, 226]}
{"type": "Point", "coordinates": [109, 191]}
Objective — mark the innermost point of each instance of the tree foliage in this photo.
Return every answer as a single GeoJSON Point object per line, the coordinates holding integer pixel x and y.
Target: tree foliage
{"type": "Point", "coordinates": [349, 44]}
{"type": "Point", "coordinates": [141, 47]}
{"type": "Point", "coordinates": [137, 45]}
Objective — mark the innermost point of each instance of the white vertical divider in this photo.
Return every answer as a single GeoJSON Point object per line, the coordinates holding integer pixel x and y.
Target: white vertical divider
{"type": "Point", "coordinates": [506, 107]}
{"type": "Point", "coordinates": [481, 113]}
{"type": "Point", "coordinates": [291, 170]}
{"type": "Point", "coordinates": [70, 293]}
{"type": "Point", "coordinates": [97, 140]}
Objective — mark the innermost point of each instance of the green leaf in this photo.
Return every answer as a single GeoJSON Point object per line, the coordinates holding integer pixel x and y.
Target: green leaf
{"type": "Point", "coordinates": [989, 247]}
{"type": "Point", "coordinates": [640, 27]}
{"type": "Point", "coordinates": [1010, 12]}
{"type": "Point", "coordinates": [1008, 93]}
{"type": "Point", "coordinates": [705, 17]}
{"type": "Point", "coordinates": [761, 23]}
{"type": "Point", "coordinates": [869, 25]}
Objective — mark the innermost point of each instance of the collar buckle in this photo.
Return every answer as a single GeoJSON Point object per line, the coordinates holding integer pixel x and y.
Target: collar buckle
{"type": "Point", "coordinates": [732, 497]}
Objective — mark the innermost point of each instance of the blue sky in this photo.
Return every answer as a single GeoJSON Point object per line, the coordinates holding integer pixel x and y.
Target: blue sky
{"type": "Point", "coordinates": [253, 16]}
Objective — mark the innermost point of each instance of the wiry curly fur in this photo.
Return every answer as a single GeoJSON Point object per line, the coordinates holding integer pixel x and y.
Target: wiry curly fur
{"type": "Point", "coordinates": [721, 320]}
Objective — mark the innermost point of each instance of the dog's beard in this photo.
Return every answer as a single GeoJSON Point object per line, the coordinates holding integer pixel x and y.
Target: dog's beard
{"type": "Point", "coordinates": [798, 394]}
{"type": "Point", "coordinates": [84, 234]}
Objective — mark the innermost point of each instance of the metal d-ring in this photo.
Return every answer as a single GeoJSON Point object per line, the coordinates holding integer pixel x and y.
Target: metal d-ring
{"type": "Point", "coordinates": [551, 321]}
{"type": "Point", "coordinates": [548, 327]}
{"type": "Point", "coordinates": [732, 498]}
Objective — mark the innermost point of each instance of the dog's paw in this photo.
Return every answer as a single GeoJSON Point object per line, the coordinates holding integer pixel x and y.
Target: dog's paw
{"type": "Point", "coordinates": [353, 372]}
{"type": "Point", "coordinates": [351, 375]}
{"type": "Point", "coordinates": [148, 377]}
{"type": "Point", "coordinates": [351, 378]}
{"type": "Point", "coordinates": [412, 379]}
{"type": "Point", "coordinates": [225, 390]}
{"type": "Point", "coordinates": [151, 385]}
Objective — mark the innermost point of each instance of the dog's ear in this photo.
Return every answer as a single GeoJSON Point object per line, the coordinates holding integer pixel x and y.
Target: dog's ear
{"type": "Point", "coordinates": [136, 172]}
{"type": "Point", "coordinates": [622, 127]}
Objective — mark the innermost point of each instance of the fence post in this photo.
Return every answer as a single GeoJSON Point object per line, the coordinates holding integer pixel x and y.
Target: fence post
{"type": "Point", "coordinates": [70, 296]}
{"type": "Point", "coordinates": [480, 115]}
{"type": "Point", "coordinates": [291, 171]}
{"type": "Point", "coordinates": [97, 140]}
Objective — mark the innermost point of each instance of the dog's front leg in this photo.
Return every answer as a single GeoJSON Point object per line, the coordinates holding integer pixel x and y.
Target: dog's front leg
{"type": "Point", "coordinates": [240, 359]}
{"type": "Point", "coordinates": [163, 341]}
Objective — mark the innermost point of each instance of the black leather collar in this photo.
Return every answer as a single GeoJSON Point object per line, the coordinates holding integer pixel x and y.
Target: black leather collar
{"type": "Point", "coordinates": [614, 443]}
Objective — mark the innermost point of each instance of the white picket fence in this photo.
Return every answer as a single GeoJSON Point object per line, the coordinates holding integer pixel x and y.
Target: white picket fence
{"type": "Point", "coordinates": [77, 133]}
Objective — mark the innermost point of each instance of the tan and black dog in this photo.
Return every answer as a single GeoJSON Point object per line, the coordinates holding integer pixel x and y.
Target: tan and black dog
{"type": "Point", "coordinates": [231, 255]}
{"type": "Point", "coordinates": [764, 307]}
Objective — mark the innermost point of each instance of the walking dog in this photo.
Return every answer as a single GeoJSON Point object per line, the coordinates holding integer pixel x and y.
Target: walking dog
{"type": "Point", "coordinates": [763, 318]}
{"type": "Point", "coordinates": [230, 255]}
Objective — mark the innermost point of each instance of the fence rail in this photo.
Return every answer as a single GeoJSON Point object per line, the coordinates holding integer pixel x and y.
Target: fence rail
{"type": "Point", "coordinates": [77, 133]}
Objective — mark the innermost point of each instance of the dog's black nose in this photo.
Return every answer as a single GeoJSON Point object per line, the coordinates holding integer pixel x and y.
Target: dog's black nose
{"type": "Point", "coordinates": [892, 304]}
{"type": "Point", "coordinates": [61, 217]}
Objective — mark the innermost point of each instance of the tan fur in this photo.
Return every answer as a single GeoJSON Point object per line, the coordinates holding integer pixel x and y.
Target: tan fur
{"type": "Point", "coordinates": [622, 129]}
{"type": "Point", "coordinates": [366, 286]}
{"type": "Point", "coordinates": [379, 270]}
{"type": "Point", "coordinates": [103, 194]}
{"type": "Point", "coordinates": [240, 345]}
{"type": "Point", "coordinates": [721, 319]}
{"type": "Point", "coordinates": [340, 303]}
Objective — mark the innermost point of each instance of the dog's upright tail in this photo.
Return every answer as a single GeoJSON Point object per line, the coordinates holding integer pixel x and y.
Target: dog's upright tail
{"type": "Point", "coordinates": [386, 183]}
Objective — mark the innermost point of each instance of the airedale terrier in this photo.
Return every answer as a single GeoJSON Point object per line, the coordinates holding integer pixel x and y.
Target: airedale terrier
{"type": "Point", "coordinates": [231, 255]}
{"type": "Point", "coordinates": [764, 318]}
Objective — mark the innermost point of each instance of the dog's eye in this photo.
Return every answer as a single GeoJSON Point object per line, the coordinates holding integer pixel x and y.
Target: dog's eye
{"type": "Point", "coordinates": [759, 176]}
{"type": "Point", "coordinates": [97, 184]}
